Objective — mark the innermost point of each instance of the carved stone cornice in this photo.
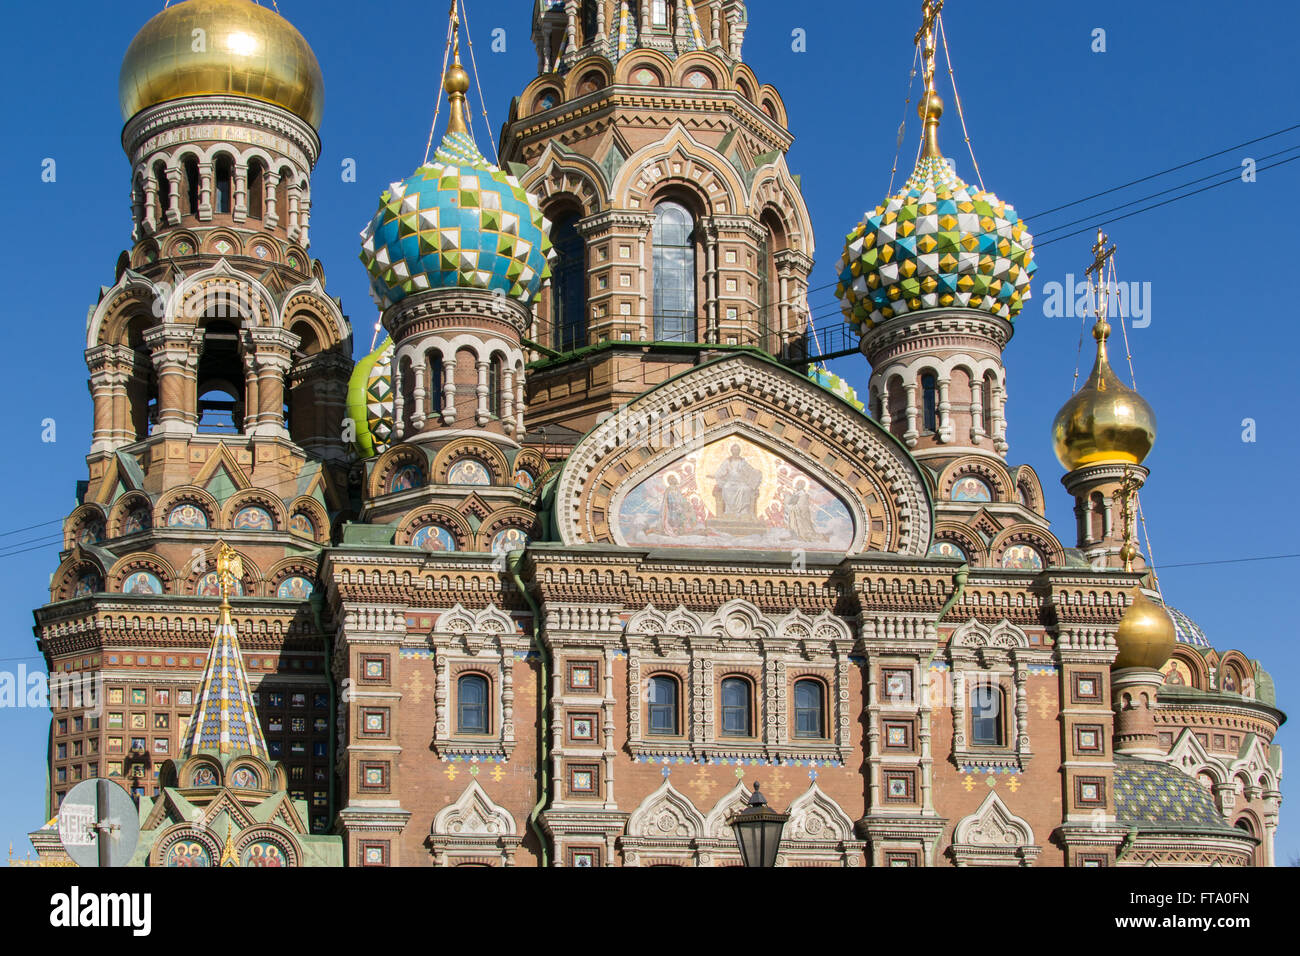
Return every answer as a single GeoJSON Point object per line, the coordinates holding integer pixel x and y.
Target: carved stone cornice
{"type": "Point", "coordinates": [227, 118]}
{"type": "Point", "coordinates": [473, 309]}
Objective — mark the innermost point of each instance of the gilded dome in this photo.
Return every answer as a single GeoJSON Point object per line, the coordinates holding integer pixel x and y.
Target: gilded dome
{"type": "Point", "coordinates": [937, 244]}
{"type": "Point", "coordinates": [236, 47]}
{"type": "Point", "coordinates": [1146, 635]}
{"type": "Point", "coordinates": [1104, 422]}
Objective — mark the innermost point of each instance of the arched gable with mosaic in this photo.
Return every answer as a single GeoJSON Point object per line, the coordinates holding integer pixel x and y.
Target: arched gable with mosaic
{"type": "Point", "coordinates": [743, 453]}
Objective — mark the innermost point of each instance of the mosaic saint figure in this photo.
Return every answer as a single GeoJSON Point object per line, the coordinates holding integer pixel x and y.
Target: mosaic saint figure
{"type": "Point", "coordinates": [736, 486]}
{"type": "Point", "coordinates": [676, 515]}
{"type": "Point", "coordinates": [799, 512]}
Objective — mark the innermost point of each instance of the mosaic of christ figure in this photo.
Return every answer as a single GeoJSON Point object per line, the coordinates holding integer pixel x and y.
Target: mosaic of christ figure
{"type": "Point", "coordinates": [735, 489]}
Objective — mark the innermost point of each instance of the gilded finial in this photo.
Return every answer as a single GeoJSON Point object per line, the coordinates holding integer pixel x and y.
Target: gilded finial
{"type": "Point", "coordinates": [1124, 497]}
{"type": "Point", "coordinates": [456, 80]}
{"type": "Point", "coordinates": [230, 568]}
{"type": "Point", "coordinates": [930, 109]}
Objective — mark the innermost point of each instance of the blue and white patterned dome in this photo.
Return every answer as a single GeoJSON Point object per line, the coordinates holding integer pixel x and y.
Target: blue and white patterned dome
{"type": "Point", "coordinates": [1189, 632]}
{"type": "Point", "coordinates": [458, 222]}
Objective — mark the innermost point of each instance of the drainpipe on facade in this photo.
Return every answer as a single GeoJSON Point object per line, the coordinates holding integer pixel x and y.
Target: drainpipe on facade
{"type": "Point", "coordinates": [514, 560]}
{"type": "Point", "coordinates": [959, 580]}
{"type": "Point", "coordinates": [317, 601]}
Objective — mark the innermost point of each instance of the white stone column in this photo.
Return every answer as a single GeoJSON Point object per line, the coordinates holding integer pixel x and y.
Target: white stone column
{"type": "Point", "coordinates": [205, 191]}
{"type": "Point", "coordinates": [910, 436]}
{"type": "Point", "coordinates": [272, 182]}
{"type": "Point", "coordinates": [508, 399]}
{"type": "Point", "coordinates": [418, 393]}
{"type": "Point", "coordinates": [239, 208]}
{"type": "Point", "coordinates": [448, 391]}
{"type": "Point", "coordinates": [519, 405]}
{"type": "Point", "coordinates": [481, 394]}
{"type": "Point", "coordinates": [173, 196]}
{"type": "Point", "coordinates": [304, 220]}
{"type": "Point", "coordinates": [571, 25]}
{"type": "Point", "coordinates": [945, 410]}
{"type": "Point", "coordinates": [712, 332]}
{"type": "Point", "coordinates": [151, 211]}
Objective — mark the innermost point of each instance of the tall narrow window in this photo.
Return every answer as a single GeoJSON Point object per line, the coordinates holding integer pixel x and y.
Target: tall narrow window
{"type": "Point", "coordinates": [164, 192]}
{"type": "Point", "coordinates": [674, 278]}
{"type": "Point", "coordinates": [736, 716]}
{"type": "Point", "coordinates": [659, 13]}
{"type": "Point", "coordinates": [986, 715]}
{"type": "Point", "coordinates": [472, 704]}
{"type": "Point", "coordinates": [808, 711]}
{"type": "Point", "coordinates": [256, 189]}
{"type": "Point", "coordinates": [589, 26]}
{"type": "Point", "coordinates": [495, 380]}
{"type": "Point", "coordinates": [191, 166]}
{"type": "Point", "coordinates": [763, 266]}
{"type": "Point", "coordinates": [569, 285]}
{"type": "Point", "coordinates": [224, 173]}
{"type": "Point", "coordinates": [437, 382]}
{"type": "Point", "coordinates": [986, 396]}
{"type": "Point", "coordinates": [663, 705]}
{"type": "Point", "coordinates": [930, 402]}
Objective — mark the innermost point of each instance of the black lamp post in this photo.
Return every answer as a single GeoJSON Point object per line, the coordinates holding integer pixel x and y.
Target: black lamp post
{"type": "Point", "coordinates": [758, 831]}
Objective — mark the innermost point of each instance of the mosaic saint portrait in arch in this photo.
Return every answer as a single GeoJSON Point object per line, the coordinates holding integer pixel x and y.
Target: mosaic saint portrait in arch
{"type": "Point", "coordinates": [734, 493]}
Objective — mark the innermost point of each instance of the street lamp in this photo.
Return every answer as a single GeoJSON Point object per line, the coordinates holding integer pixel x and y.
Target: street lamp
{"type": "Point", "coordinates": [758, 831]}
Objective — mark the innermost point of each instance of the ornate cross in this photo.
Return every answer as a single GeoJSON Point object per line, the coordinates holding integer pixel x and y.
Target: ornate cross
{"type": "Point", "coordinates": [1124, 498]}
{"type": "Point", "coordinates": [1101, 254]}
{"type": "Point", "coordinates": [930, 10]}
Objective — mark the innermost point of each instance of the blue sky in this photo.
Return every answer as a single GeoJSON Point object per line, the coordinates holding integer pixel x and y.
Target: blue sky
{"type": "Point", "coordinates": [1051, 121]}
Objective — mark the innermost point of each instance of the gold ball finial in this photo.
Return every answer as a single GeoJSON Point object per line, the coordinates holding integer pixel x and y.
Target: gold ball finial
{"type": "Point", "coordinates": [930, 106]}
{"type": "Point", "coordinates": [1101, 330]}
{"type": "Point", "coordinates": [1146, 635]}
{"type": "Point", "coordinates": [456, 82]}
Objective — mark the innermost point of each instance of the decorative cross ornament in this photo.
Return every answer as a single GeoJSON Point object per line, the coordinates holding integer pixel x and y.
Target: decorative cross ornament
{"type": "Point", "coordinates": [1124, 498]}
{"type": "Point", "coordinates": [1101, 255]}
{"type": "Point", "coordinates": [930, 11]}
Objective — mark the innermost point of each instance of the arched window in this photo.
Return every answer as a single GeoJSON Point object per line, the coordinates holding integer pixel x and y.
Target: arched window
{"type": "Point", "coordinates": [1097, 517]}
{"type": "Point", "coordinates": [930, 402]}
{"type": "Point", "coordinates": [736, 712]}
{"type": "Point", "coordinates": [221, 379]}
{"type": "Point", "coordinates": [809, 709]}
{"type": "Point", "coordinates": [224, 173]}
{"type": "Point", "coordinates": [986, 715]}
{"type": "Point", "coordinates": [406, 387]}
{"type": "Point", "coordinates": [472, 704]}
{"type": "Point", "coordinates": [256, 189]}
{"type": "Point", "coordinates": [495, 385]}
{"type": "Point", "coordinates": [437, 382]}
{"type": "Point", "coordinates": [987, 397]}
{"type": "Point", "coordinates": [663, 705]}
{"type": "Point", "coordinates": [164, 191]}
{"type": "Point", "coordinates": [191, 168]}
{"type": "Point", "coordinates": [569, 285]}
{"type": "Point", "coordinates": [674, 278]}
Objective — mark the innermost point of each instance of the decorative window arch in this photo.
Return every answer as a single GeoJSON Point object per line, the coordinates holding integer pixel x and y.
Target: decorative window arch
{"type": "Point", "coordinates": [674, 273]}
{"type": "Point", "coordinates": [990, 703]}
{"type": "Point", "coordinates": [993, 836]}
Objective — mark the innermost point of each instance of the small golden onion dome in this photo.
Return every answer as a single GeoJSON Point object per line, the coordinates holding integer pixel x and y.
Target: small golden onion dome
{"type": "Point", "coordinates": [1105, 421]}
{"type": "Point", "coordinates": [1146, 635]}
{"type": "Point", "coordinates": [236, 47]}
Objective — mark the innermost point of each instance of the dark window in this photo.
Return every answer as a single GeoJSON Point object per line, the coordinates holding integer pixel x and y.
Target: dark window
{"type": "Point", "coordinates": [930, 402]}
{"type": "Point", "coordinates": [495, 385]}
{"type": "Point", "coordinates": [735, 708]}
{"type": "Point", "coordinates": [191, 166]}
{"type": "Point", "coordinates": [808, 712]}
{"type": "Point", "coordinates": [674, 278]}
{"type": "Point", "coordinates": [986, 397]}
{"type": "Point", "coordinates": [224, 173]}
{"type": "Point", "coordinates": [164, 191]}
{"type": "Point", "coordinates": [437, 382]}
{"type": "Point", "coordinates": [986, 715]}
{"type": "Point", "coordinates": [589, 20]}
{"type": "Point", "coordinates": [569, 285]}
{"type": "Point", "coordinates": [472, 704]}
{"type": "Point", "coordinates": [663, 705]}
{"type": "Point", "coordinates": [256, 189]}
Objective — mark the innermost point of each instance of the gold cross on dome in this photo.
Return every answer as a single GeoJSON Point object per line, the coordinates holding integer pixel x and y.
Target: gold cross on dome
{"type": "Point", "coordinates": [230, 568]}
{"type": "Point", "coordinates": [1100, 253]}
{"type": "Point", "coordinates": [930, 10]}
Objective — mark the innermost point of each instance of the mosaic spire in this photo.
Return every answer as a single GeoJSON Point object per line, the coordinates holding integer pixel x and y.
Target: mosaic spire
{"type": "Point", "coordinates": [224, 719]}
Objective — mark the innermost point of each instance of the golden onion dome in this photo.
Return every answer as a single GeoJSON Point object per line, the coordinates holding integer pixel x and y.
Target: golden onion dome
{"type": "Point", "coordinates": [1146, 635]}
{"type": "Point", "coordinates": [236, 47]}
{"type": "Point", "coordinates": [1104, 422]}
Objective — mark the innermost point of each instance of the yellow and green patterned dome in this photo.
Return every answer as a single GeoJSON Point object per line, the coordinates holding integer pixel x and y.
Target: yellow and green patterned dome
{"type": "Point", "coordinates": [937, 244]}
{"type": "Point", "coordinates": [370, 401]}
{"type": "Point", "coordinates": [458, 222]}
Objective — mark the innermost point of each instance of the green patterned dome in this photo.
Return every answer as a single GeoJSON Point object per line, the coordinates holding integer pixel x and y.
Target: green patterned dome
{"type": "Point", "coordinates": [370, 400]}
{"type": "Point", "coordinates": [458, 222]}
{"type": "Point", "coordinates": [937, 244]}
